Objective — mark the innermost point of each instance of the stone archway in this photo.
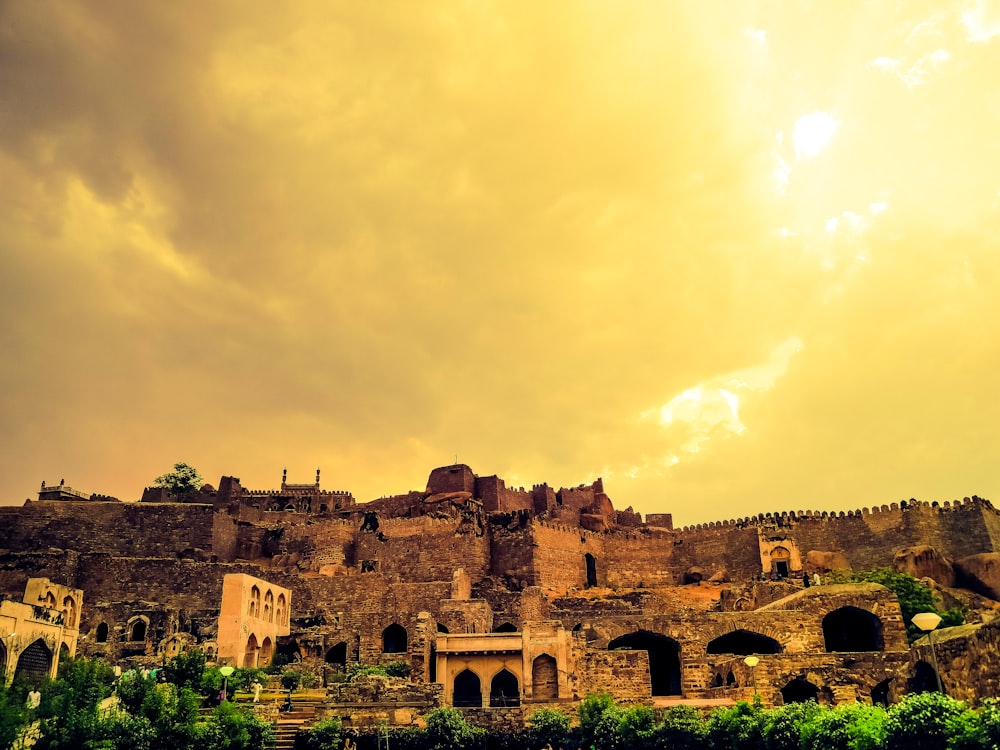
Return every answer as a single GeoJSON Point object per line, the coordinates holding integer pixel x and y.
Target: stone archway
{"type": "Point", "coordinates": [852, 629]}
{"type": "Point", "coordinates": [394, 639]}
{"type": "Point", "coordinates": [544, 678]}
{"type": "Point", "coordinates": [504, 690]}
{"type": "Point", "coordinates": [337, 655]}
{"type": "Point", "coordinates": [743, 643]}
{"type": "Point", "coordinates": [799, 690]}
{"type": "Point", "coordinates": [34, 664]}
{"type": "Point", "coordinates": [664, 659]}
{"type": "Point", "coordinates": [250, 653]}
{"type": "Point", "coordinates": [468, 691]}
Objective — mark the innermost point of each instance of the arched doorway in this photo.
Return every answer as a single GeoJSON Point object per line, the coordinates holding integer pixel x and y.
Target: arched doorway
{"type": "Point", "coordinates": [799, 690]}
{"type": "Point", "coordinates": [880, 693]}
{"type": "Point", "coordinates": [102, 633]}
{"type": "Point", "coordinates": [34, 664]}
{"type": "Point", "coordinates": [250, 653]}
{"type": "Point", "coordinates": [781, 560]}
{"type": "Point", "coordinates": [337, 655]}
{"type": "Point", "coordinates": [266, 651]}
{"type": "Point", "coordinates": [394, 639]}
{"type": "Point", "coordinates": [664, 659]}
{"type": "Point", "coordinates": [591, 562]}
{"type": "Point", "coordinates": [743, 643]}
{"type": "Point", "coordinates": [544, 678]}
{"type": "Point", "coordinates": [852, 629]}
{"type": "Point", "coordinates": [924, 679]}
{"type": "Point", "coordinates": [507, 627]}
{"type": "Point", "coordinates": [504, 690]}
{"type": "Point", "coordinates": [468, 692]}
{"type": "Point", "coordinates": [137, 631]}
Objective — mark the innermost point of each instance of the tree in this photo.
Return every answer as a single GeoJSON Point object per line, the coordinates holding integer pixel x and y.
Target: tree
{"type": "Point", "coordinates": [13, 715]}
{"type": "Point", "coordinates": [69, 717]}
{"type": "Point", "coordinates": [783, 729]}
{"type": "Point", "coordinates": [182, 480]}
{"type": "Point", "coordinates": [852, 726]}
{"type": "Point", "coordinates": [291, 680]}
{"type": "Point", "coordinates": [186, 669]}
{"type": "Point", "coordinates": [682, 728]}
{"type": "Point", "coordinates": [926, 721]}
{"type": "Point", "coordinates": [738, 728]}
{"type": "Point", "coordinates": [549, 727]}
{"type": "Point", "coordinates": [447, 729]}
{"type": "Point", "coordinates": [324, 735]}
{"type": "Point", "coordinates": [229, 728]}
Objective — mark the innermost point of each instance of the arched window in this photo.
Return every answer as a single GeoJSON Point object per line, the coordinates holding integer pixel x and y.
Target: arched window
{"type": "Point", "coordinates": [504, 690]}
{"type": "Point", "coordinates": [717, 680]}
{"type": "Point", "coordinates": [69, 612]}
{"type": "Point", "coordinates": [281, 613]}
{"type": "Point", "coordinates": [468, 692]}
{"type": "Point", "coordinates": [102, 633]}
{"type": "Point", "coordinates": [799, 690]}
{"type": "Point", "coordinates": [781, 560]}
{"type": "Point", "coordinates": [544, 678]}
{"type": "Point", "coordinates": [442, 628]}
{"type": "Point", "coordinates": [269, 606]}
{"type": "Point", "coordinates": [664, 659]}
{"type": "Point", "coordinates": [394, 639]}
{"type": "Point", "coordinates": [743, 643]}
{"type": "Point", "coordinates": [337, 655]}
{"type": "Point", "coordinates": [137, 630]}
{"type": "Point", "coordinates": [34, 663]}
{"type": "Point", "coordinates": [852, 629]}
{"type": "Point", "coordinates": [506, 627]}
{"type": "Point", "coordinates": [253, 609]}
{"type": "Point", "coordinates": [50, 600]}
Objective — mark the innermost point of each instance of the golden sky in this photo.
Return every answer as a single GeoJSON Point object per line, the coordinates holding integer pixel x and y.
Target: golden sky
{"type": "Point", "coordinates": [733, 257]}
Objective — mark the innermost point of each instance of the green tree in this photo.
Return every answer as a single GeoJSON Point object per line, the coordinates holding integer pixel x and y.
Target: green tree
{"type": "Point", "coordinates": [594, 713]}
{"type": "Point", "coordinates": [852, 726]}
{"type": "Point", "coordinates": [783, 727]}
{"type": "Point", "coordinates": [69, 714]}
{"type": "Point", "coordinates": [13, 714]}
{"type": "Point", "coordinates": [636, 728]}
{"type": "Point", "coordinates": [230, 728]}
{"type": "Point", "coordinates": [182, 480]}
{"type": "Point", "coordinates": [682, 728]}
{"type": "Point", "coordinates": [447, 729]}
{"type": "Point", "coordinates": [548, 727]}
{"type": "Point", "coordinates": [738, 728]}
{"type": "Point", "coordinates": [925, 721]}
{"type": "Point", "coordinates": [290, 680]}
{"type": "Point", "coordinates": [186, 669]}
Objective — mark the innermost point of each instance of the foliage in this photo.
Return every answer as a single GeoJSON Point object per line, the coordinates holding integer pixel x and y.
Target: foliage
{"type": "Point", "coordinates": [244, 677]}
{"type": "Point", "coordinates": [447, 729]}
{"type": "Point", "coordinates": [738, 728]}
{"type": "Point", "coordinates": [392, 669]}
{"type": "Point", "coordinates": [783, 730]}
{"type": "Point", "coordinates": [914, 596]}
{"type": "Point", "coordinates": [636, 728]}
{"type": "Point", "coordinates": [682, 728]}
{"type": "Point", "coordinates": [291, 680]}
{"type": "Point", "coordinates": [592, 712]}
{"type": "Point", "coordinates": [548, 727]}
{"type": "Point", "coordinates": [181, 480]}
{"type": "Point", "coordinates": [132, 689]}
{"type": "Point", "coordinates": [68, 714]}
{"type": "Point", "coordinates": [230, 728]}
{"type": "Point", "coordinates": [324, 735]}
{"type": "Point", "coordinates": [13, 714]}
{"type": "Point", "coordinates": [988, 731]}
{"type": "Point", "coordinates": [926, 721]}
{"type": "Point", "coordinates": [852, 726]}
{"type": "Point", "coordinates": [186, 669]}
{"type": "Point", "coordinates": [172, 713]}
{"type": "Point", "coordinates": [211, 685]}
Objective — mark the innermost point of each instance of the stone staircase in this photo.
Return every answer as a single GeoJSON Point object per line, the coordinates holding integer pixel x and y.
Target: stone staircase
{"type": "Point", "coordinates": [301, 717]}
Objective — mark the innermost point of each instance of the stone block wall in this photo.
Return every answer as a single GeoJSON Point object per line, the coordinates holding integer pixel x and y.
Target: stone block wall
{"type": "Point", "coordinates": [625, 674]}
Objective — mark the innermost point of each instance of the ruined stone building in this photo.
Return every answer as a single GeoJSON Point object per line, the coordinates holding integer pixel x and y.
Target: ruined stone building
{"type": "Point", "coordinates": [502, 598]}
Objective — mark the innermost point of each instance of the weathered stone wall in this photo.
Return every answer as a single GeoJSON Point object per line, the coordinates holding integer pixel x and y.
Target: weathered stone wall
{"type": "Point", "coordinates": [968, 658]}
{"type": "Point", "coordinates": [127, 529]}
{"type": "Point", "coordinates": [726, 548]}
{"type": "Point", "coordinates": [426, 548]}
{"type": "Point", "coordinates": [639, 558]}
{"type": "Point", "coordinates": [624, 674]}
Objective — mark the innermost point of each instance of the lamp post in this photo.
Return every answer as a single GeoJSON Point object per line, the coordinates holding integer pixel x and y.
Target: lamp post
{"type": "Point", "coordinates": [927, 621]}
{"type": "Point", "coordinates": [225, 672]}
{"type": "Point", "coordinates": [752, 661]}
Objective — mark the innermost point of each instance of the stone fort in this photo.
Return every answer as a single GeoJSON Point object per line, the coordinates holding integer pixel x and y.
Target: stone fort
{"type": "Point", "coordinates": [504, 599]}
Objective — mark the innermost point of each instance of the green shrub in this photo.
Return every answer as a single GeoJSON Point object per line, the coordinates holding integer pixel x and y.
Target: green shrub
{"type": "Point", "coordinates": [324, 735]}
{"type": "Point", "coordinates": [548, 727]}
{"type": "Point", "coordinates": [738, 728]}
{"type": "Point", "coordinates": [447, 729]}
{"type": "Point", "coordinates": [682, 728]}
{"type": "Point", "coordinates": [926, 721]}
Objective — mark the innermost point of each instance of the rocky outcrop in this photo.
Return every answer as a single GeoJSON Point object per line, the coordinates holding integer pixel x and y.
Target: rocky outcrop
{"type": "Point", "coordinates": [980, 573]}
{"type": "Point", "coordinates": [924, 561]}
{"type": "Point", "coordinates": [821, 561]}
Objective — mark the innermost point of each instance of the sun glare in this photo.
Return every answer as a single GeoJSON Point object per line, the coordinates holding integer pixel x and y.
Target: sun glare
{"type": "Point", "coordinates": [813, 133]}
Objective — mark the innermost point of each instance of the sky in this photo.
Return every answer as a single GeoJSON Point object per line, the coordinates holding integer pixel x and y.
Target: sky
{"type": "Point", "coordinates": [732, 257]}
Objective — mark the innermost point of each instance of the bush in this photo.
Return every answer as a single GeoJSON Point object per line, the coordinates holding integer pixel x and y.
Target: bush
{"type": "Point", "coordinates": [324, 735]}
{"type": "Point", "coordinates": [592, 712]}
{"type": "Point", "coordinates": [783, 727]}
{"type": "Point", "coordinates": [229, 728]}
{"type": "Point", "coordinates": [290, 680]}
{"type": "Point", "coordinates": [738, 728]}
{"type": "Point", "coordinates": [186, 669]}
{"type": "Point", "coordinates": [548, 727]}
{"type": "Point", "coordinates": [927, 721]}
{"type": "Point", "coordinates": [682, 728]}
{"type": "Point", "coordinates": [852, 726]}
{"type": "Point", "coordinates": [447, 730]}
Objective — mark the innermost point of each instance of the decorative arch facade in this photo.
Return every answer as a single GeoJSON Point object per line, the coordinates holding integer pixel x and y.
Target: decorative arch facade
{"type": "Point", "coordinates": [254, 613]}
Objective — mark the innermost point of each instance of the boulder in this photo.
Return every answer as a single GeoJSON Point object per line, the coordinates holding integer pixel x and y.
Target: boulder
{"type": "Point", "coordinates": [980, 573]}
{"type": "Point", "coordinates": [823, 561]}
{"type": "Point", "coordinates": [924, 561]}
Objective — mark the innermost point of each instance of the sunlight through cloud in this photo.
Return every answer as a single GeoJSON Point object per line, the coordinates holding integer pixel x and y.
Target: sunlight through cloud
{"type": "Point", "coordinates": [813, 133]}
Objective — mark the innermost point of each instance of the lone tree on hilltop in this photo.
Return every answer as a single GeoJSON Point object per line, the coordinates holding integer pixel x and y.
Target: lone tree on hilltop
{"type": "Point", "coordinates": [181, 480]}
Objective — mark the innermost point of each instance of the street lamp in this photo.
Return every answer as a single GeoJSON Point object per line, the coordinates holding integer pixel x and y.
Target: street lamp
{"type": "Point", "coordinates": [225, 672]}
{"type": "Point", "coordinates": [752, 661]}
{"type": "Point", "coordinates": [927, 621]}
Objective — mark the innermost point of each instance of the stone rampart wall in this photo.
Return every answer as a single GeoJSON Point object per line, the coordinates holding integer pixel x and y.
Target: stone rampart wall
{"type": "Point", "coordinates": [625, 674]}
{"type": "Point", "coordinates": [426, 548]}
